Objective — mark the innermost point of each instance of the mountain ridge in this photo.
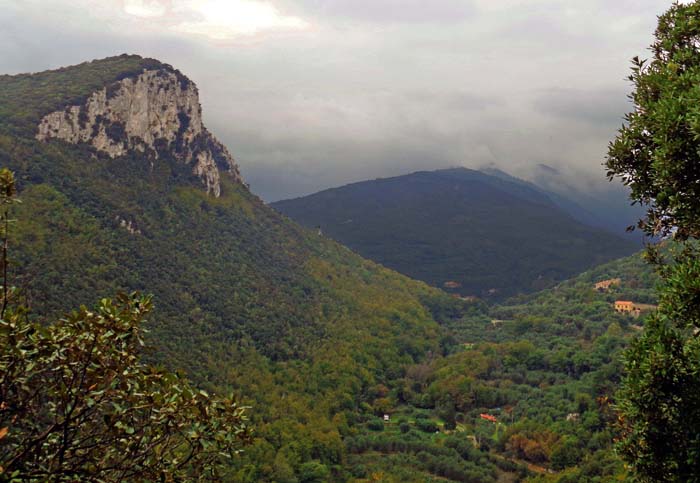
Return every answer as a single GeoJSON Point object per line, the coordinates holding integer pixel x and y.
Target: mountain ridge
{"type": "Point", "coordinates": [441, 226]}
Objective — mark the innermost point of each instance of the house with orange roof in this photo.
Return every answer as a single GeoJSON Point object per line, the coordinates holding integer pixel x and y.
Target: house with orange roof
{"type": "Point", "coordinates": [624, 306]}
{"type": "Point", "coordinates": [631, 308]}
{"type": "Point", "coordinates": [488, 417]}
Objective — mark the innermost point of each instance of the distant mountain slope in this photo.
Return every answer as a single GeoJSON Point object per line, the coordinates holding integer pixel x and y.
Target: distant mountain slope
{"type": "Point", "coordinates": [487, 234]}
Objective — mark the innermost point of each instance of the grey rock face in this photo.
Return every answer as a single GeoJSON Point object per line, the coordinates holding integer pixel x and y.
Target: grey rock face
{"type": "Point", "coordinates": [157, 110]}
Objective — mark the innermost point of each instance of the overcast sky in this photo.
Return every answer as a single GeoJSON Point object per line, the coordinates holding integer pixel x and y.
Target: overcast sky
{"type": "Point", "coordinates": [310, 94]}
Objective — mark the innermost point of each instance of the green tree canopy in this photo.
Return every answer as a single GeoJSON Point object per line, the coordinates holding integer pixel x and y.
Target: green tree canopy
{"type": "Point", "coordinates": [77, 405]}
{"type": "Point", "coordinates": [660, 400]}
{"type": "Point", "coordinates": [657, 154]}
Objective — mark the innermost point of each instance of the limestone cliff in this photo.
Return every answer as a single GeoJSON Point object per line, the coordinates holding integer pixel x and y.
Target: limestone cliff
{"type": "Point", "coordinates": [154, 112]}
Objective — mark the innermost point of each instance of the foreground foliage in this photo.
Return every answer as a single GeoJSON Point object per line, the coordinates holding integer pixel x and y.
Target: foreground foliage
{"type": "Point", "coordinates": [657, 154]}
{"type": "Point", "coordinates": [660, 401]}
{"type": "Point", "coordinates": [78, 405]}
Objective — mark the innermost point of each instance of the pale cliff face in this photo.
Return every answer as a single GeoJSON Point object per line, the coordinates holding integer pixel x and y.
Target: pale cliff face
{"type": "Point", "coordinates": [157, 110]}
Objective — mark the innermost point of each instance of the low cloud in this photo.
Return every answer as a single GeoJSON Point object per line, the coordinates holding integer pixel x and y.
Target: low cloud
{"type": "Point", "coordinates": [603, 107]}
{"type": "Point", "coordinates": [145, 8]}
{"type": "Point", "coordinates": [310, 94]}
{"type": "Point", "coordinates": [390, 11]}
{"type": "Point", "coordinates": [215, 19]}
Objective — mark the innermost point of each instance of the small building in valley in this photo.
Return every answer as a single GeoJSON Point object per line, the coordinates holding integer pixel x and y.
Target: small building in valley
{"type": "Point", "coordinates": [624, 306]}
{"type": "Point", "coordinates": [605, 285]}
{"type": "Point", "coordinates": [488, 417]}
{"type": "Point", "coordinates": [631, 308]}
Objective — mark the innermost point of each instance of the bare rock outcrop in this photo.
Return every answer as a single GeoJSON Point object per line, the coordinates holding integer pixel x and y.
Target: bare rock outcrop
{"type": "Point", "coordinates": [155, 112]}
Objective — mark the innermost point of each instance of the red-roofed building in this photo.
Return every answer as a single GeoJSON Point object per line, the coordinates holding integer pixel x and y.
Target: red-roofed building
{"type": "Point", "coordinates": [631, 308]}
{"type": "Point", "coordinates": [488, 417]}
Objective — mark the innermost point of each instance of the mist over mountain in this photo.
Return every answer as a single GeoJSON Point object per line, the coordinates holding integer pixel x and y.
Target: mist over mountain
{"type": "Point", "coordinates": [603, 206]}
{"type": "Point", "coordinates": [609, 204]}
{"type": "Point", "coordinates": [471, 232]}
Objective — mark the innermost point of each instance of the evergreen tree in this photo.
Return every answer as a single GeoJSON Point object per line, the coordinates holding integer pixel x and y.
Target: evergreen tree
{"type": "Point", "coordinates": [657, 154]}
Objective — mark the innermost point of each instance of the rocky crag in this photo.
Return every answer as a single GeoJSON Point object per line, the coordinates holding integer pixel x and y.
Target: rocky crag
{"type": "Point", "coordinates": [154, 112]}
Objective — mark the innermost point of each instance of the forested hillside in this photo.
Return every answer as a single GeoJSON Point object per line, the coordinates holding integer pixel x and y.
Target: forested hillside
{"type": "Point", "coordinates": [526, 389]}
{"type": "Point", "coordinates": [245, 300]}
{"type": "Point", "coordinates": [352, 371]}
{"type": "Point", "coordinates": [466, 231]}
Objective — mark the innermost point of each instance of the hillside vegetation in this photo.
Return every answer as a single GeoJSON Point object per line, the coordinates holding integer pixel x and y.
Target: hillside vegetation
{"type": "Point", "coordinates": [543, 369]}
